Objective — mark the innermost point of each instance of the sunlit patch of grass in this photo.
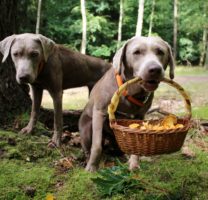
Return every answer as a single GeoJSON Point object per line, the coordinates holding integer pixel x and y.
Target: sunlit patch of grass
{"type": "Point", "coordinates": [196, 92]}
{"type": "Point", "coordinates": [73, 99]}
{"type": "Point", "coordinates": [191, 71]}
{"type": "Point", "coordinates": [200, 112]}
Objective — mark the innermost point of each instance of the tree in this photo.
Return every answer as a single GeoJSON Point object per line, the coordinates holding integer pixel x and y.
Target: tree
{"type": "Point", "coordinates": [120, 23]}
{"type": "Point", "coordinates": [38, 17]}
{"type": "Point", "coordinates": [140, 18]}
{"type": "Point", "coordinates": [175, 29]}
{"type": "Point", "coordinates": [204, 46]}
{"type": "Point", "coordinates": [206, 58]}
{"type": "Point", "coordinates": [84, 27]}
{"type": "Point", "coordinates": [14, 98]}
{"type": "Point", "coordinates": [151, 18]}
{"type": "Point", "coordinates": [205, 36]}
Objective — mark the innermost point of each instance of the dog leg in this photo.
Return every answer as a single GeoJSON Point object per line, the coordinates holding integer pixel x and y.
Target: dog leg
{"type": "Point", "coordinates": [36, 102]}
{"type": "Point", "coordinates": [85, 130]}
{"type": "Point", "coordinates": [58, 117]}
{"type": "Point", "coordinates": [96, 149]}
{"type": "Point", "coordinates": [133, 162]}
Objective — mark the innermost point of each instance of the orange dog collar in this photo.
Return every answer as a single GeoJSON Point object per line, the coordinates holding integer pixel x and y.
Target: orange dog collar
{"type": "Point", "coordinates": [125, 93]}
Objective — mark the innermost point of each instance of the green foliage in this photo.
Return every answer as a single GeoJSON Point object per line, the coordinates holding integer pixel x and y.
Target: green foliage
{"type": "Point", "coordinates": [115, 180]}
{"type": "Point", "coordinates": [62, 21]}
{"type": "Point", "coordinates": [102, 51]}
{"type": "Point", "coordinates": [188, 52]}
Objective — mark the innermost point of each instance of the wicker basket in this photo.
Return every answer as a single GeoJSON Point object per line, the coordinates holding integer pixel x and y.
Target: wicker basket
{"type": "Point", "coordinates": [148, 142]}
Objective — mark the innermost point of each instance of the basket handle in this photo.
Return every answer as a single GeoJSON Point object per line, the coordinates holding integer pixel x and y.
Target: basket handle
{"type": "Point", "coordinates": [115, 99]}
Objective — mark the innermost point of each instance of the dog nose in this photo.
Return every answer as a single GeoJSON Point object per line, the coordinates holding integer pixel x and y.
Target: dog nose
{"type": "Point", "coordinates": [155, 70]}
{"type": "Point", "coordinates": [24, 78]}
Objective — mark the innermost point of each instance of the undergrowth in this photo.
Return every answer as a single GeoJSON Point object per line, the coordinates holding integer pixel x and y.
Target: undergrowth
{"type": "Point", "coordinates": [28, 171]}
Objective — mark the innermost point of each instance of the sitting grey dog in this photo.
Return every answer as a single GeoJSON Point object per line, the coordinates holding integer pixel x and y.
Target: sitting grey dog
{"type": "Point", "coordinates": [46, 65]}
{"type": "Point", "coordinates": [145, 57]}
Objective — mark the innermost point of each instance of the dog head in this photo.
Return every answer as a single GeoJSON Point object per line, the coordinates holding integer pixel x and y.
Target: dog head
{"type": "Point", "coordinates": [145, 57]}
{"type": "Point", "coordinates": [28, 52]}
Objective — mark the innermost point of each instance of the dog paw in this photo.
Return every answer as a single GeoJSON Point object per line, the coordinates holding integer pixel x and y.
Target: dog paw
{"type": "Point", "coordinates": [91, 168]}
{"type": "Point", "coordinates": [54, 144]}
{"type": "Point", "coordinates": [26, 130]}
{"type": "Point", "coordinates": [55, 141]}
{"type": "Point", "coordinates": [134, 166]}
{"type": "Point", "coordinates": [51, 144]}
{"type": "Point", "coordinates": [133, 163]}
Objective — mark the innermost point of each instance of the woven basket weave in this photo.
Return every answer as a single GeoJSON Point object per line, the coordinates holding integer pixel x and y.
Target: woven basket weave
{"type": "Point", "coordinates": [148, 142]}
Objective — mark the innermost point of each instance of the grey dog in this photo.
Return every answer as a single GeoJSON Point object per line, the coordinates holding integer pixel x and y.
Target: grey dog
{"type": "Point", "coordinates": [46, 65]}
{"type": "Point", "coordinates": [145, 57]}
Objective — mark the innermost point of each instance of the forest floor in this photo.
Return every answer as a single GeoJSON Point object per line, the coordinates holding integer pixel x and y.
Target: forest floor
{"type": "Point", "coordinates": [30, 170]}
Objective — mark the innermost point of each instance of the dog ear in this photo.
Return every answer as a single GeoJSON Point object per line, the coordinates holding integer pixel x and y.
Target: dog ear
{"type": "Point", "coordinates": [118, 58]}
{"type": "Point", "coordinates": [171, 62]}
{"type": "Point", "coordinates": [47, 45]}
{"type": "Point", "coordinates": [5, 46]}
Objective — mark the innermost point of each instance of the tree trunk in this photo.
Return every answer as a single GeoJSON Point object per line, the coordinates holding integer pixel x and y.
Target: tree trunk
{"type": "Point", "coordinates": [8, 19]}
{"type": "Point", "coordinates": [140, 18]}
{"type": "Point", "coordinates": [204, 46]}
{"type": "Point", "coordinates": [206, 58]}
{"type": "Point", "coordinates": [175, 29]}
{"type": "Point", "coordinates": [205, 36]}
{"type": "Point", "coordinates": [120, 23]}
{"type": "Point", "coordinates": [37, 30]}
{"type": "Point", "coordinates": [14, 98]}
{"type": "Point", "coordinates": [151, 18]}
{"type": "Point", "coordinates": [84, 27]}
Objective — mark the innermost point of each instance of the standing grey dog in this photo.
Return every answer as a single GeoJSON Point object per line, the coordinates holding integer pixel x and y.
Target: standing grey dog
{"type": "Point", "coordinates": [145, 57]}
{"type": "Point", "coordinates": [46, 65]}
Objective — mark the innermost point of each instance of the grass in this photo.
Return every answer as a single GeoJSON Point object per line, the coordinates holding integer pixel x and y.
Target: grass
{"type": "Point", "coordinates": [195, 81]}
{"type": "Point", "coordinates": [30, 170]}
{"type": "Point", "coordinates": [200, 112]}
{"type": "Point", "coordinates": [73, 99]}
{"type": "Point", "coordinates": [191, 71]}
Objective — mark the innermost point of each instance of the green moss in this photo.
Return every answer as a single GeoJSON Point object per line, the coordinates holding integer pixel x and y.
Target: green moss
{"type": "Point", "coordinates": [78, 186]}
{"type": "Point", "coordinates": [16, 177]}
{"type": "Point", "coordinates": [178, 177]}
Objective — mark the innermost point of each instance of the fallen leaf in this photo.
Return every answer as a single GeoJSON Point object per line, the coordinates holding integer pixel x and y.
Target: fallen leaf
{"type": "Point", "coordinates": [65, 163]}
{"type": "Point", "coordinates": [50, 197]}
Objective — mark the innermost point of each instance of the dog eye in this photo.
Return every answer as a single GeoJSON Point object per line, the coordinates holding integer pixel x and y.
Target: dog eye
{"type": "Point", "coordinates": [34, 54]}
{"type": "Point", "coordinates": [160, 52]}
{"type": "Point", "coordinates": [137, 52]}
{"type": "Point", "coordinates": [15, 54]}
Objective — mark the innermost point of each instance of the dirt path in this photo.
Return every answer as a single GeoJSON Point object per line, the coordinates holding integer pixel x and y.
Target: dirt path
{"type": "Point", "coordinates": [197, 86]}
